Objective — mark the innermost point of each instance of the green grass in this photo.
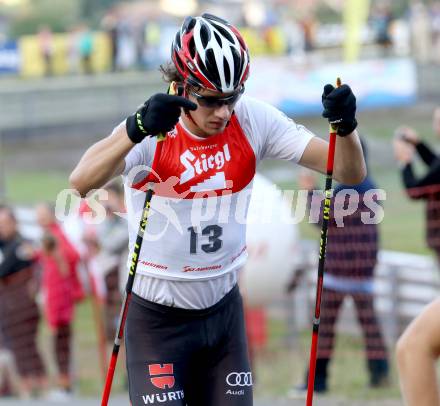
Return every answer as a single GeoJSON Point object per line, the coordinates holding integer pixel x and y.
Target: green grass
{"type": "Point", "coordinates": [86, 353]}
{"type": "Point", "coordinates": [28, 188]}
{"type": "Point", "coordinates": [277, 369]}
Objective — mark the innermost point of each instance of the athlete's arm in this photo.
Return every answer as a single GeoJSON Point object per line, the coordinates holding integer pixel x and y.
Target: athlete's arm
{"type": "Point", "coordinates": [105, 159]}
{"type": "Point", "coordinates": [102, 161]}
{"type": "Point", "coordinates": [349, 167]}
{"type": "Point", "coordinates": [417, 351]}
{"type": "Point", "coordinates": [340, 109]}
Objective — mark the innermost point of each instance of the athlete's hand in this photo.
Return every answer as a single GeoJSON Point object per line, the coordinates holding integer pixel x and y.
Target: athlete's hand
{"type": "Point", "coordinates": [159, 114]}
{"type": "Point", "coordinates": [340, 108]}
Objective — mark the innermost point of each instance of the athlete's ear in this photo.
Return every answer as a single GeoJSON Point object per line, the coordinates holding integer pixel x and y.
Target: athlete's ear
{"type": "Point", "coordinates": [179, 89]}
{"type": "Point", "coordinates": [176, 89]}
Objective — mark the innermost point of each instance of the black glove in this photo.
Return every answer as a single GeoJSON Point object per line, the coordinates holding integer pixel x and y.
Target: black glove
{"type": "Point", "coordinates": [159, 114]}
{"type": "Point", "coordinates": [340, 108]}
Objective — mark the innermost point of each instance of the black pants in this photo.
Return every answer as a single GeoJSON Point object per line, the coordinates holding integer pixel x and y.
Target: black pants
{"type": "Point", "coordinates": [366, 314]}
{"type": "Point", "coordinates": [62, 348]}
{"type": "Point", "coordinates": [188, 357]}
{"type": "Point", "coordinates": [375, 349]}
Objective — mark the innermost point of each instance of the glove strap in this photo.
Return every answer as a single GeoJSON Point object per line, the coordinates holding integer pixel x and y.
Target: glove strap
{"type": "Point", "coordinates": [346, 128]}
{"type": "Point", "coordinates": [135, 128]}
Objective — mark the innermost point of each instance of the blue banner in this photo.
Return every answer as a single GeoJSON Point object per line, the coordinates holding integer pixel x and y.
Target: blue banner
{"type": "Point", "coordinates": [297, 90]}
{"type": "Point", "coordinates": [9, 57]}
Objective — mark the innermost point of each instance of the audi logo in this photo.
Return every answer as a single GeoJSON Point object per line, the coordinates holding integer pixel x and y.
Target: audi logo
{"type": "Point", "coordinates": [239, 379]}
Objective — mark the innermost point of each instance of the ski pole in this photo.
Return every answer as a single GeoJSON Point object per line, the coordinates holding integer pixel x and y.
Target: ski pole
{"type": "Point", "coordinates": [129, 286]}
{"type": "Point", "coordinates": [321, 264]}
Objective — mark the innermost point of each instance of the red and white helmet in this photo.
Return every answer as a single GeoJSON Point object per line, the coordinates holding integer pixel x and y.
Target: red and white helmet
{"type": "Point", "coordinates": [211, 53]}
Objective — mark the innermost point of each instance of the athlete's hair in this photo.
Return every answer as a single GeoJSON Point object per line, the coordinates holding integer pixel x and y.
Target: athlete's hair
{"type": "Point", "coordinates": [170, 73]}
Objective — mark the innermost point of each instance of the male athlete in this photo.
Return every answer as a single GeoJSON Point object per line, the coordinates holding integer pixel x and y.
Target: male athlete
{"type": "Point", "coordinates": [185, 337]}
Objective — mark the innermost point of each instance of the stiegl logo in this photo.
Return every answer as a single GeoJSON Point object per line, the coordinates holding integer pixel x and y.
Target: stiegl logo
{"type": "Point", "coordinates": [202, 164]}
{"type": "Point", "coordinates": [162, 397]}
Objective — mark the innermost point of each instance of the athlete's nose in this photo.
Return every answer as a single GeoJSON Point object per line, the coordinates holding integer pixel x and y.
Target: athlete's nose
{"type": "Point", "coordinates": [223, 113]}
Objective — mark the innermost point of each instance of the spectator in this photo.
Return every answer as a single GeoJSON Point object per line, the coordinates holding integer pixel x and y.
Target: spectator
{"type": "Point", "coordinates": [103, 268]}
{"type": "Point", "coordinates": [9, 379]}
{"type": "Point", "coordinates": [126, 57]}
{"type": "Point", "coordinates": [73, 57]}
{"type": "Point", "coordinates": [427, 187]}
{"type": "Point", "coordinates": [382, 19]}
{"type": "Point", "coordinates": [45, 40]}
{"type": "Point", "coordinates": [419, 345]}
{"type": "Point", "coordinates": [86, 49]}
{"type": "Point", "coordinates": [308, 26]}
{"type": "Point", "coordinates": [421, 31]}
{"type": "Point", "coordinates": [110, 25]}
{"type": "Point", "coordinates": [58, 306]}
{"type": "Point", "coordinates": [112, 248]}
{"type": "Point", "coordinates": [47, 221]}
{"type": "Point", "coordinates": [351, 257]}
{"type": "Point", "coordinates": [435, 23]}
{"type": "Point", "coordinates": [417, 352]}
{"type": "Point", "coordinates": [19, 313]}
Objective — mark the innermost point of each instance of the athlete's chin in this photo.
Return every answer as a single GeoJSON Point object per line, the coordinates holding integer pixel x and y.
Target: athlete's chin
{"type": "Point", "coordinates": [212, 129]}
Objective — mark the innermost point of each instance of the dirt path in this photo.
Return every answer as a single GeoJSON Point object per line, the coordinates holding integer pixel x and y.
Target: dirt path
{"type": "Point", "coordinates": [122, 400]}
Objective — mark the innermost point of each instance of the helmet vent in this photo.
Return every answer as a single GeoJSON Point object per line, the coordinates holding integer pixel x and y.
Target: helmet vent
{"type": "Point", "coordinates": [205, 35]}
{"type": "Point", "coordinates": [218, 38]}
{"type": "Point", "coordinates": [192, 48]}
{"type": "Point", "coordinates": [179, 62]}
{"type": "Point", "coordinates": [177, 40]}
{"type": "Point", "coordinates": [223, 32]}
{"type": "Point", "coordinates": [211, 69]}
{"type": "Point", "coordinates": [211, 53]}
{"type": "Point", "coordinates": [227, 70]}
{"type": "Point", "coordinates": [238, 62]}
{"type": "Point", "coordinates": [189, 24]}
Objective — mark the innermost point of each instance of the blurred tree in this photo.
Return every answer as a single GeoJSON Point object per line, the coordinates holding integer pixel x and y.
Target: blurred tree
{"type": "Point", "coordinates": [92, 10]}
{"type": "Point", "coordinates": [60, 16]}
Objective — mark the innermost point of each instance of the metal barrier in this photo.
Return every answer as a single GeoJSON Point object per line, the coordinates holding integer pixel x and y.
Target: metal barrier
{"type": "Point", "coordinates": [404, 283]}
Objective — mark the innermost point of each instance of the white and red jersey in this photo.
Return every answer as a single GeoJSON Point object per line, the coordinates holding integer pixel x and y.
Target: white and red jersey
{"type": "Point", "coordinates": [196, 230]}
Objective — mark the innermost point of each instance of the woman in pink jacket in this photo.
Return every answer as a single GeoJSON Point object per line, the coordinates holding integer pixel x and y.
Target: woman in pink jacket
{"type": "Point", "coordinates": [59, 304]}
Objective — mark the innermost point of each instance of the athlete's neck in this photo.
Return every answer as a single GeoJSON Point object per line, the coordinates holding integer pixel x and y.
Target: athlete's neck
{"type": "Point", "coordinates": [192, 127]}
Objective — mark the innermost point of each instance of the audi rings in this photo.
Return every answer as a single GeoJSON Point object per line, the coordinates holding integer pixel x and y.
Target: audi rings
{"type": "Point", "coordinates": [239, 379]}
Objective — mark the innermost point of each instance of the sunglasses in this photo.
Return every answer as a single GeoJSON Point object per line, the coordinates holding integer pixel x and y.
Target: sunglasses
{"type": "Point", "coordinates": [215, 102]}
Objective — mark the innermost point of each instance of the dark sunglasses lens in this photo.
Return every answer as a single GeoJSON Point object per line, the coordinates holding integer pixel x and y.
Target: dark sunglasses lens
{"type": "Point", "coordinates": [218, 102]}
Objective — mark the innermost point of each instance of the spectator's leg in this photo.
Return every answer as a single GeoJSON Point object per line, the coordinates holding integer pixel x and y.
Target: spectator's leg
{"type": "Point", "coordinates": [9, 380]}
{"type": "Point", "coordinates": [417, 350]}
{"type": "Point", "coordinates": [331, 303]}
{"type": "Point", "coordinates": [374, 343]}
{"type": "Point", "coordinates": [62, 351]}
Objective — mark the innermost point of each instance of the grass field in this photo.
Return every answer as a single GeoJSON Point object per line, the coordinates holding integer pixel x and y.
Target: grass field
{"type": "Point", "coordinates": [403, 224]}
{"type": "Point", "coordinates": [277, 369]}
